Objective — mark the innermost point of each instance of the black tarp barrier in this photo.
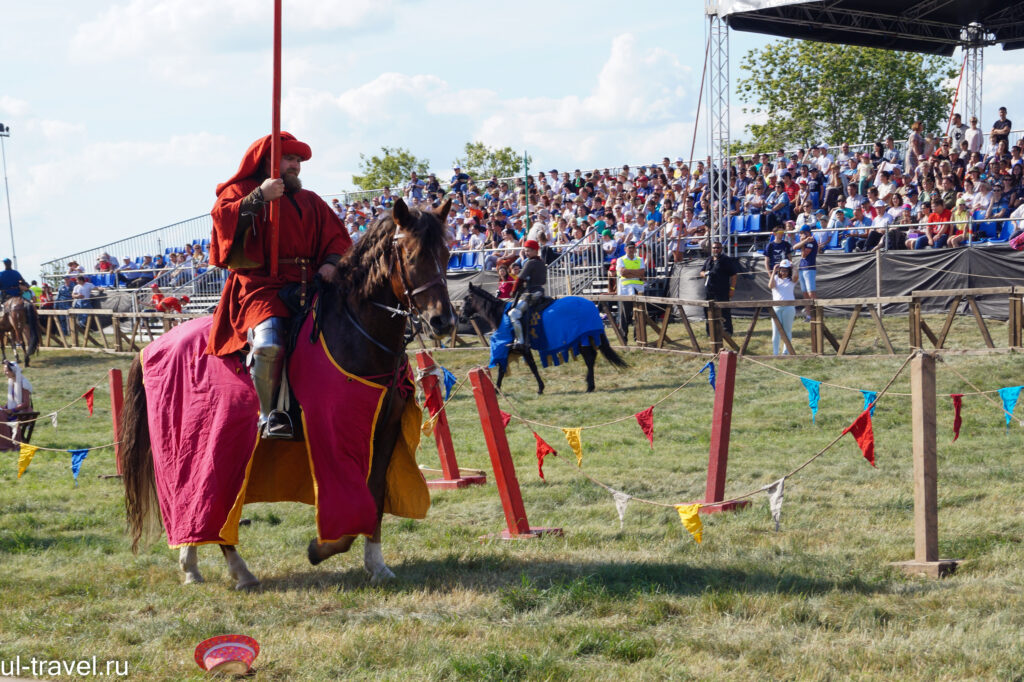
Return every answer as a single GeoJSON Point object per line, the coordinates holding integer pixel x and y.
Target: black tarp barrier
{"type": "Point", "coordinates": [842, 275]}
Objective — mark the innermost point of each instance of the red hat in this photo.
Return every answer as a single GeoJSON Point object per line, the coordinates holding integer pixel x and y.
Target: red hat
{"type": "Point", "coordinates": [531, 244]}
{"type": "Point", "coordinates": [259, 149]}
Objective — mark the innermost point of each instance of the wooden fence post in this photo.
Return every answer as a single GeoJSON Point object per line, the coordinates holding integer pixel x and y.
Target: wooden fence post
{"type": "Point", "coordinates": [452, 477]}
{"type": "Point", "coordinates": [926, 529]}
{"type": "Point", "coordinates": [501, 460]}
{"type": "Point", "coordinates": [116, 403]}
{"type": "Point", "coordinates": [721, 426]}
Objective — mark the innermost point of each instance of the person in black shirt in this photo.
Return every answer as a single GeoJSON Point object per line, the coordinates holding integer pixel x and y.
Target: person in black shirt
{"type": "Point", "coordinates": [777, 250]}
{"type": "Point", "coordinates": [529, 288]}
{"type": "Point", "coordinates": [719, 272]}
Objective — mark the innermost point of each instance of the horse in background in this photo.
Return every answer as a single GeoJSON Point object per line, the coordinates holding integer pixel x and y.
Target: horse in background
{"type": "Point", "coordinates": [394, 272]}
{"type": "Point", "coordinates": [569, 325]}
{"type": "Point", "coordinates": [21, 322]}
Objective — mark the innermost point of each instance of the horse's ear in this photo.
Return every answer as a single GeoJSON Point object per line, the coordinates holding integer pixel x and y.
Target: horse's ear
{"type": "Point", "coordinates": [402, 215]}
{"type": "Point", "coordinates": [443, 209]}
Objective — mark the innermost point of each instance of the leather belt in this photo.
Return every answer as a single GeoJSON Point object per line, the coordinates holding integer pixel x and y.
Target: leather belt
{"type": "Point", "coordinates": [305, 264]}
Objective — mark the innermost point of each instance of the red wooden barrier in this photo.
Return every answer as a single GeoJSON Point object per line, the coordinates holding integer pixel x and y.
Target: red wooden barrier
{"type": "Point", "coordinates": [721, 425]}
{"type": "Point", "coordinates": [116, 403]}
{"type": "Point", "coordinates": [501, 460]}
{"type": "Point", "coordinates": [442, 434]}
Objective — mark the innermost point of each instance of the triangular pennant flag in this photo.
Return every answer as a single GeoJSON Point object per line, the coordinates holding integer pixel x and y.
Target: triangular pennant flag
{"type": "Point", "coordinates": [13, 426]}
{"type": "Point", "coordinates": [645, 418]}
{"type": "Point", "coordinates": [53, 419]}
{"type": "Point", "coordinates": [869, 400]}
{"type": "Point", "coordinates": [88, 395]}
{"type": "Point", "coordinates": [25, 457]}
{"type": "Point", "coordinates": [865, 435]}
{"type": "Point", "coordinates": [428, 427]}
{"type": "Point", "coordinates": [449, 382]}
{"type": "Point", "coordinates": [774, 491]}
{"type": "Point", "coordinates": [710, 366]}
{"type": "Point", "coordinates": [958, 402]}
{"type": "Point", "coordinates": [1009, 395]}
{"type": "Point", "coordinates": [77, 457]}
{"type": "Point", "coordinates": [813, 395]}
{"type": "Point", "coordinates": [689, 514]}
{"type": "Point", "coordinates": [505, 418]}
{"type": "Point", "coordinates": [543, 450]}
{"type": "Point", "coordinates": [573, 437]}
{"type": "Point", "coordinates": [621, 500]}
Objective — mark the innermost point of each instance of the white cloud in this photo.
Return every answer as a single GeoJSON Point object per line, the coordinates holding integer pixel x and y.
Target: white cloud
{"type": "Point", "coordinates": [53, 130]}
{"type": "Point", "coordinates": [12, 106]}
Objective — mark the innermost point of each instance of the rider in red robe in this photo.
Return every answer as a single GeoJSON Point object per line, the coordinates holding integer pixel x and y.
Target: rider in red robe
{"type": "Point", "coordinates": [312, 240]}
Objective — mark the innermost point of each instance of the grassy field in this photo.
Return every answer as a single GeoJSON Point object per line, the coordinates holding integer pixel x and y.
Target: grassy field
{"type": "Point", "coordinates": [816, 600]}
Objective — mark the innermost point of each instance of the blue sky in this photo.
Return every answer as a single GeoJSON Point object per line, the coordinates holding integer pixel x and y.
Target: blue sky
{"type": "Point", "coordinates": [124, 115]}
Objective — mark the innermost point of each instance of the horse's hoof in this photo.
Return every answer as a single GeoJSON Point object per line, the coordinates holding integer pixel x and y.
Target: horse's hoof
{"type": "Point", "coordinates": [381, 575]}
{"type": "Point", "coordinates": [312, 554]}
{"type": "Point", "coordinates": [590, 389]}
{"type": "Point", "coordinates": [246, 584]}
{"type": "Point", "coordinates": [193, 577]}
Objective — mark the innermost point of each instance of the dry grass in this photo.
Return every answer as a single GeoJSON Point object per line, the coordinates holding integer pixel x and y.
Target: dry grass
{"type": "Point", "coordinates": [815, 601]}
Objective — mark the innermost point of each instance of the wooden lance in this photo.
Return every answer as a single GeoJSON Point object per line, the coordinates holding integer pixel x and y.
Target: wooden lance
{"type": "Point", "coordinates": [275, 142]}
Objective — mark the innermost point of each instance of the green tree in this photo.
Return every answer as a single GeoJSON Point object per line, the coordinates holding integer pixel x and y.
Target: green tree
{"type": "Point", "coordinates": [814, 92]}
{"type": "Point", "coordinates": [392, 168]}
{"type": "Point", "coordinates": [480, 161]}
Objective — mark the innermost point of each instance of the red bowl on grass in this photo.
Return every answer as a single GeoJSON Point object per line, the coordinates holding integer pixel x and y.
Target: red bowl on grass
{"type": "Point", "coordinates": [231, 654]}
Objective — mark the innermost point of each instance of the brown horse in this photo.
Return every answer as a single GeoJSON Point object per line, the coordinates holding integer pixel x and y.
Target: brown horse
{"type": "Point", "coordinates": [21, 322]}
{"type": "Point", "coordinates": [395, 271]}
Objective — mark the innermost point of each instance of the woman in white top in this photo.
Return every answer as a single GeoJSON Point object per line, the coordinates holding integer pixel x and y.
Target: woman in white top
{"type": "Point", "coordinates": [19, 399]}
{"type": "Point", "coordinates": [782, 281]}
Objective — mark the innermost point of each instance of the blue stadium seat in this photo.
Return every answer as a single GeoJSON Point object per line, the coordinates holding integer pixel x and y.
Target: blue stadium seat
{"type": "Point", "coordinates": [455, 262]}
{"type": "Point", "coordinates": [472, 261]}
{"type": "Point", "coordinates": [1004, 232]}
{"type": "Point", "coordinates": [737, 224]}
{"type": "Point", "coordinates": [752, 223]}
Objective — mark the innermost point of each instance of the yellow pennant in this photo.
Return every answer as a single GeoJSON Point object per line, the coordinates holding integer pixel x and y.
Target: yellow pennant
{"type": "Point", "coordinates": [428, 427]}
{"type": "Point", "coordinates": [25, 457]}
{"type": "Point", "coordinates": [689, 514]}
{"type": "Point", "coordinates": [573, 437]}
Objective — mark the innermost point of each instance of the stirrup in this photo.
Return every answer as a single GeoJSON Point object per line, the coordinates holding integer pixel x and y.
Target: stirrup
{"type": "Point", "coordinates": [277, 426]}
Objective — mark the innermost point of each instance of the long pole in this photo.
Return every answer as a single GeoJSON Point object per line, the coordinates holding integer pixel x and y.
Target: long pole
{"type": "Point", "coordinates": [275, 142]}
{"type": "Point", "coordinates": [526, 180]}
{"type": "Point", "coordinates": [700, 97]}
{"type": "Point", "coordinates": [6, 132]}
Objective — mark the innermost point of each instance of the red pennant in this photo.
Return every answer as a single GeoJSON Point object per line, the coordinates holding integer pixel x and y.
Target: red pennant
{"type": "Point", "coordinates": [645, 418]}
{"type": "Point", "coordinates": [862, 431]}
{"type": "Point", "coordinates": [88, 399]}
{"type": "Point", "coordinates": [505, 418]}
{"type": "Point", "coordinates": [543, 450]}
{"type": "Point", "coordinates": [958, 401]}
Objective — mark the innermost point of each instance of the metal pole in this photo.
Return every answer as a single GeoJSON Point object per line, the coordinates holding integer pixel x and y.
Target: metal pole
{"type": "Point", "coordinates": [6, 132]}
{"type": "Point", "coordinates": [526, 187]}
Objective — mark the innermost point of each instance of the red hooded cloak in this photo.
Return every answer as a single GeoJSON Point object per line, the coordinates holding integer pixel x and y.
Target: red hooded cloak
{"type": "Point", "coordinates": [309, 229]}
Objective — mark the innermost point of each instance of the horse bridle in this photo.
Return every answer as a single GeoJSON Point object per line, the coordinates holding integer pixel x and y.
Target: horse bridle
{"type": "Point", "coordinates": [403, 276]}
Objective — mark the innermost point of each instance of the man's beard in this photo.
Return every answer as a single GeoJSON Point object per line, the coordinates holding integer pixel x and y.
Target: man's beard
{"type": "Point", "coordinates": [291, 182]}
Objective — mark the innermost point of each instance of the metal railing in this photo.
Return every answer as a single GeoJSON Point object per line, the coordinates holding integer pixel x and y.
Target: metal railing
{"type": "Point", "coordinates": [575, 270]}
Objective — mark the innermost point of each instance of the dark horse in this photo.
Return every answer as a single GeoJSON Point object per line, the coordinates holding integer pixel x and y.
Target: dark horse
{"type": "Point", "coordinates": [396, 267]}
{"type": "Point", "coordinates": [492, 309]}
{"type": "Point", "coordinates": [20, 321]}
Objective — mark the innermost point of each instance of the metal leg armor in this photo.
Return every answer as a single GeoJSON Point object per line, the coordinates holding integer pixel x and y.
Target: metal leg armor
{"type": "Point", "coordinates": [516, 317]}
{"type": "Point", "coordinates": [266, 359]}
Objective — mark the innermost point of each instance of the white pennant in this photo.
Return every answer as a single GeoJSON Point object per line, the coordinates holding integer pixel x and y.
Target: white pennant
{"type": "Point", "coordinates": [13, 426]}
{"type": "Point", "coordinates": [53, 419]}
{"type": "Point", "coordinates": [775, 499]}
{"type": "Point", "coordinates": [621, 501]}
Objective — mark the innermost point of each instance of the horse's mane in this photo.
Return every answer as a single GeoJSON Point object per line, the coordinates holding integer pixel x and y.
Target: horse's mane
{"type": "Point", "coordinates": [366, 267]}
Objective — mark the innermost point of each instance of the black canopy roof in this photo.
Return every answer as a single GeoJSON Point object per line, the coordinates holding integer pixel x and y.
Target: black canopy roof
{"type": "Point", "coordinates": [933, 26]}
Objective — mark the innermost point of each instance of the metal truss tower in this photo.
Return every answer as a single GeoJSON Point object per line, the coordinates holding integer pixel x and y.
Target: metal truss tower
{"type": "Point", "coordinates": [719, 191]}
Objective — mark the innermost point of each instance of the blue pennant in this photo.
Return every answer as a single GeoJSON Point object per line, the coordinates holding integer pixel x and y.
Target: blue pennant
{"type": "Point", "coordinates": [869, 400]}
{"type": "Point", "coordinates": [813, 395]}
{"type": "Point", "coordinates": [710, 366]}
{"type": "Point", "coordinates": [449, 381]}
{"type": "Point", "coordinates": [77, 457]}
{"type": "Point", "coordinates": [1009, 396]}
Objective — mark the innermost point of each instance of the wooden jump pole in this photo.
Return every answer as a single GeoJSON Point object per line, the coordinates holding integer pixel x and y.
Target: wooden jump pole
{"type": "Point", "coordinates": [442, 434]}
{"type": "Point", "coordinates": [501, 460]}
{"type": "Point", "coordinates": [116, 404]}
{"type": "Point", "coordinates": [721, 426]}
{"type": "Point", "coordinates": [926, 560]}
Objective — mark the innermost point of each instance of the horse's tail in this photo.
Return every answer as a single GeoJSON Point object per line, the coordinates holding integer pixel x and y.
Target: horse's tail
{"type": "Point", "coordinates": [140, 498]}
{"type": "Point", "coordinates": [610, 355]}
{"type": "Point", "coordinates": [32, 320]}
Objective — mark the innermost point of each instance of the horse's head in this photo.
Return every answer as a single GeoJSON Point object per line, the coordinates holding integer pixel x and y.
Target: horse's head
{"type": "Point", "coordinates": [481, 303]}
{"type": "Point", "coordinates": [418, 274]}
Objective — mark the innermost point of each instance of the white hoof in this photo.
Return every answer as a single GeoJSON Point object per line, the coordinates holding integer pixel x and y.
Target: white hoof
{"type": "Point", "coordinates": [193, 577]}
{"type": "Point", "coordinates": [381, 575]}
{"type": "Point", "coordinates": [188, 559]}
{"type": "Point", "coordinates": [250, 583]}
